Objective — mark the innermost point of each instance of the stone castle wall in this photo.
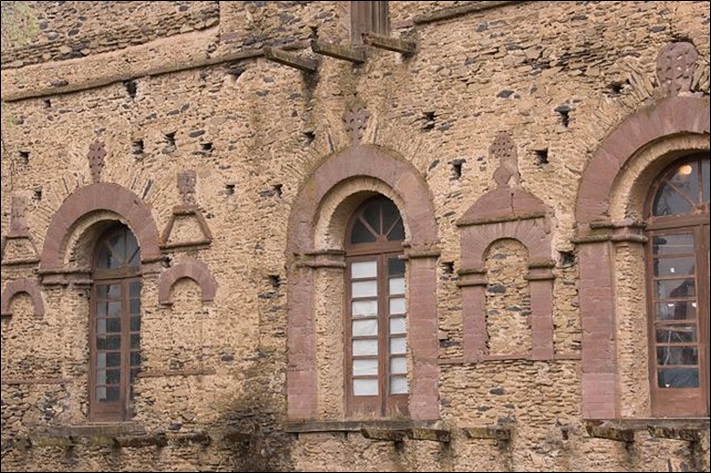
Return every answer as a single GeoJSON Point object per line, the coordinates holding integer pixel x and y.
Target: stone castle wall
{"type": "Point", "coordinates": [169, 87]}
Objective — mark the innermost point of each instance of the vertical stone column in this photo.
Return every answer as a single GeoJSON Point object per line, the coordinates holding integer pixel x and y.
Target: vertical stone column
{"type": "Point", "coordinates": [301, 377]}
{"type": "Point", "coordinates": [540, 279]}
{"type": "Point", "coordinates": [422, 311]}
{"type": "Point", "coordinates": [597, 310]}
{"type": "Point", "coordinates": [473, 284]}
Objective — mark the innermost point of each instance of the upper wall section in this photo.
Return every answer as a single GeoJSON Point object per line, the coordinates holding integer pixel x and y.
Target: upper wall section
{"type": "Point", "coordinates": [67, 30]}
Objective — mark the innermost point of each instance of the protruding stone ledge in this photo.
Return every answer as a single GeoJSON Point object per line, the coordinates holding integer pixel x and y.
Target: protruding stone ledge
{"type": "Point", "coordinates": [431, 434]}
{"type": "Point", "coordinates": [330, 258]}
{"type": "Point", "coordinates": [397, 45]}
{"type": "Point", "coordinates": [625, 231]}
{"type": "Point", "coordinates": [290, 59]}
{"type": "Point", "coordinates": [498, 432]}
{"type": "Point", "coordinates": [387, 430]}
{"type": "Point", "coordinates": [610, 432]}
{"type": "Point", "coordinates": [468, 222]}
{"type": "Point", "coordinates": [383, 434]}
{"type": "Point", "coordinates": [687, 429]}
{"type": "Point", "coordinates": [356, 56]}
{"type": "Point", "coordinates": [454, 12]}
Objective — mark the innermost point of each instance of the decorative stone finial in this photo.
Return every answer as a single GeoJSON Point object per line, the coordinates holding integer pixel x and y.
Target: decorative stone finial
{"type": "Point", "coordinates": [675, 67]}
{"type": "Point", "coordinates": [18, 222]}
{"type": "Point", "coordinates": [96, 156]}
{"type": "Point", "coordinates": [186, 186]}
{"type": "Point", "coordinates": [504, 149]}
{"type": "Point", "coordinates": [356, 118]}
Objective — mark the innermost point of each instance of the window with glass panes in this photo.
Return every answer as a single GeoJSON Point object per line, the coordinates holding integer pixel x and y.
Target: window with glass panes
{"type": "Point", "coordinates": [115, 324]}
{"type": "Point", "coordinates": [376, 325]}
{"type": "Point", "coordinates": [678, 288]}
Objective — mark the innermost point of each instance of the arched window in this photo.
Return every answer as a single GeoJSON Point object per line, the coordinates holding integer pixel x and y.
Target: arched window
{"type": "Point", "coordinates": [115, 324]}
{"type": "Point", "coordinates": [678, 288]}
{"type": "Point", "coordinates": [376, 325]}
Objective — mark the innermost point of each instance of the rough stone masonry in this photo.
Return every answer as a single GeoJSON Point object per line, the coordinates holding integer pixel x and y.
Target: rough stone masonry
{"type": "Point", "coordinates": [235, 140]}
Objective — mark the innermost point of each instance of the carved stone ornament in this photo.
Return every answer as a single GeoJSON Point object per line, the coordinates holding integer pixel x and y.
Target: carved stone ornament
{"type": "Point", "coordinates": [186, 187]}
{"type": "Point", "coordinates": [675, 67]}
{"type": "Point", "coordinates": [18, 221]}
{"type": "Point", "coordinates": [188, 210]}
{"type": "Point", "coordinates": [18, 247]}
{"type": "Point", "coordinates": [504, 149]}
{"type": "Point", "coordinates": [356, 119]}
{"type": "Point", "coordinates": [96, 156]}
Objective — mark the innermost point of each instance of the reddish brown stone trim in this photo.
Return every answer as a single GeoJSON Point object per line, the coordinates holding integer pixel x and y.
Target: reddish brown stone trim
{"type": "Point", "coordinates": [188, 211]}
{"type": "Point", "coordinates": [476, 238]}
{"type": "Point", "coordinates": [17, 286]}
{"type": "Point", "coordinates": [99, 196]}
{"type": "Point", "coordinates": [187, 268]}
{"type": "Point", "coordinates": [596, 234]}
{"type": "Point", "coordinates": [670, 116]}
{"type": "Point", "coordinates": [418, 215]}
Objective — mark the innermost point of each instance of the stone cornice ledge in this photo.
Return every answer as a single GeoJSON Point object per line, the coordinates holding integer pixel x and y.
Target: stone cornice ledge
{"type": "Point", "coordinates": [166, 55]}
{"type": "Point", "coordinates": [388, 430]}
{"type": "Point", "coordinates": [622, 430]}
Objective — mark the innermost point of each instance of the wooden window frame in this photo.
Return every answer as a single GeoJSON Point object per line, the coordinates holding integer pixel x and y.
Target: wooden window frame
{"type": "Point", "coordinates": [120, 410]}
{"type": "Point", "coordinates": [680, 402]}
{"type": "Point", "coordinates": [384, 404]}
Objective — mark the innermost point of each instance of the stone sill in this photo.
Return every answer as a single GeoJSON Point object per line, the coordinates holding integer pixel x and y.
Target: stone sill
{"type": "Point", "coordinates": [389, 430]}
{"type": "Point", "coordinates": [116, 434]}
{"type": "Point", "coordinates": [623, 430]}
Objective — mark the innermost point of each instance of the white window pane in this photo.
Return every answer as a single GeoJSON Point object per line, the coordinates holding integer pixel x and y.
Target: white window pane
{"type": "Point", "coordinates": [398, 365]}
{"type": "Point", "coordinates": [364, 288]}
{"type": "Point", "coordinates": [100, 326]}
{"type": "Point", "coordinates": [398, 385]}
{"type": "Point", "coordinates": [365, 387]}
{"type": "Point", "coordinates": [101, 360]}
{"type": "Point", "coordinates": [365, 347]}
{"type": "Point", "coordinates": [398, 346]}
{"type": "Point", "coordinates": [397, 305]}
{"type": "Point", "coordinates": [396, 286]}
{"type": "Point", "coordinates": [364, 328]}
{"type": "Point", "coordinates": [365, 367]}
{"type": "Point", "coordinates": [364, 308]}
{"type": "Point", "coordinates": [364, 269]}
{"type": "Point", "coordinates": [100, 376]}
{"type": "Point", "coordinates": [397, 325]}
{"type": "Point", "coordinates": [101, 393]}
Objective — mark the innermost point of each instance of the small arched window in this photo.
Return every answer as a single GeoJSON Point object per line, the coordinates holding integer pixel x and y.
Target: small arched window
{"type": "Point", "coordinates": [376, 325]}
{"type": "Point", "coordinates": [115, 324]}
{"type": "Point", "coordinates": [678, 288]}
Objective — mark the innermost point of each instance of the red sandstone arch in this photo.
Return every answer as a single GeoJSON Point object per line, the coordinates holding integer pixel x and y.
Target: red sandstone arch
{"type": "Point", "coordinates": [187, 268]}
{"type": "Point", "coordinates": [96, 197]}
{"type": "Point", "coordinates": [16, 287]}
{"type": "Point", "coordinates": [670, 116]}
{"type": "Point", "coordinates": [371, 161]}
{"type": "Point", "coordinates": [501, 214]}
{"type": "Point", "coordinates": [418, 215]}
{"type": "Point", "coordinates": [514, 211]}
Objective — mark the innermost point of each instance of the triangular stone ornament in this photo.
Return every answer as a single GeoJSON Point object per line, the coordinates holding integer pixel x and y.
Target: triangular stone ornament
{"type": "Point", "coordinates": [18, 246]}
{"type": "Point", "coordinates": [187, 226]}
